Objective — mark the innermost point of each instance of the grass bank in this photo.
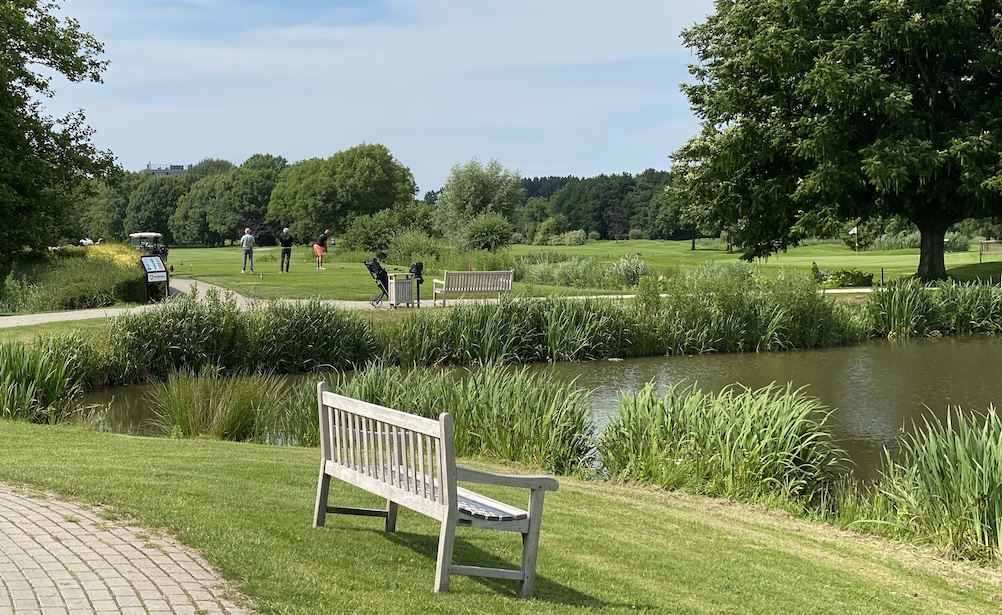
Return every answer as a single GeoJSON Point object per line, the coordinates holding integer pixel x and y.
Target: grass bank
{"type": "Point", "coordinates": [605, 547]}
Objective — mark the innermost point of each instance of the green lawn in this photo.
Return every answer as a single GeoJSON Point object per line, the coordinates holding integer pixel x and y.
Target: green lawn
{"type": "Point", "coordinates": [604, 547]}
{"type": "Point", "coordinates": [346, 278]}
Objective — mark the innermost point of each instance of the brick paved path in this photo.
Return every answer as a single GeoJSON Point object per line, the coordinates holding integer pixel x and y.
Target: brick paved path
{"type": "Point", "coordinates": [58, 558]}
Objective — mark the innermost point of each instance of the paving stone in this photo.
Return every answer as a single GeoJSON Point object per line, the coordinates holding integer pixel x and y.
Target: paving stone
{"type": "Point", "coordinates": [58, 558]}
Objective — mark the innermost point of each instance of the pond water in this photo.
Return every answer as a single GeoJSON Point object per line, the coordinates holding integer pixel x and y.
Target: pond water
{"type": "Point", "coordinates": [876, 389]}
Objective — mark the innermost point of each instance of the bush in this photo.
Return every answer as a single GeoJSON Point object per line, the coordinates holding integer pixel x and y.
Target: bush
{"type": "Point", "coordinates": [414, 245]}
{"type": "Point", "coordinates": [75, 278]}
{"type": "Point", "coordinates": [490, 232]}
{"type": "Point", "coordinates": [843, 278]}
{"type": "Point", "coordinates": [628, 271]}
{"type": "Point", "coordinates": [370, 233]}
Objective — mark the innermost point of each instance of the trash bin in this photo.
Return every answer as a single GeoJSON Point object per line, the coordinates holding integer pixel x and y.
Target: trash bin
{"type": "Point", "coordinates": [400, 289]}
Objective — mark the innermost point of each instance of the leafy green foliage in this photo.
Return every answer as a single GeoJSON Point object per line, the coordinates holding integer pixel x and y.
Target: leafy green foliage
{"type": "Point", "coordinates": [473, 189]}
{"type": "Point", "coordinates": [489, 231]}
{"type": "Point", "coordinates": [819, 113]}
{"type": "Point", "coordinates": [45, 160]}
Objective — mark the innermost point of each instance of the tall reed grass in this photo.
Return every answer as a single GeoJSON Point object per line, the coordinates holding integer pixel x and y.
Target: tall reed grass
{"type": "Point", "coordinates": [750, 445]}
{"type": "Point", "coordinates": [198, 332]}
{"type": "Point", "coordinates": [257, 408]}
{"type": "Point", "coordinates": [37, 385]}
{"type": "Point", "coordinates": [944, 487]}
{"type": "Point", "coordinates": [910, 307]}
{"type": "Point", "coordinates": [499, 412]}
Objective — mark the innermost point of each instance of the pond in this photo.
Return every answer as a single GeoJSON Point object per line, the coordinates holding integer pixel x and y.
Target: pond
{"type": "Point", "coordinates": [876, 389]}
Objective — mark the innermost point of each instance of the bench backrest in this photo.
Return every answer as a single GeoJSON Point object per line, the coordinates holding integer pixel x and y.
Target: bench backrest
{"type": "Point", "coordinates": [990, 246]}
{"type": "Point", "coordinates": [407, 458]}
{"type": "Point", "coordinates": [478, 281]}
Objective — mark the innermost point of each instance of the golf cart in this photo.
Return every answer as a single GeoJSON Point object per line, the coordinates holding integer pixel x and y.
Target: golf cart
{"type": "Point", "coordinates": [149, 243]}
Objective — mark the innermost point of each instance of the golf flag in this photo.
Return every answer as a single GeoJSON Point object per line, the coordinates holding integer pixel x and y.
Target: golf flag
{"type": "Point", "coordinates": [852, 231]}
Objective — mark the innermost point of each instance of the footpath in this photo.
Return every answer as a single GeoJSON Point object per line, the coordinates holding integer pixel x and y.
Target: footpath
{"type": "Point", "coordinates": [179, 287]}
{"type": "Point", "coordinates": [58, 558]}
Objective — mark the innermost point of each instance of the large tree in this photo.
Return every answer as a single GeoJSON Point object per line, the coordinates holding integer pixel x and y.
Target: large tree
{"type": "Point", "coordinates": [43, 161]}
{"type": "Point", "coordinates": [311, 195]}
{"type": "Point", "coordinates": [814, 112]}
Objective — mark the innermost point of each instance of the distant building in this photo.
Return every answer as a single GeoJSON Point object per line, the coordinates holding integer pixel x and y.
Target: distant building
{"type": "Point", "coordinates": [166, 169]}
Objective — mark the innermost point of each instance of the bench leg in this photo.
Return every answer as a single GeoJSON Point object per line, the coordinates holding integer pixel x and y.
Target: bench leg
{"type": "Point", "coordinates": [530, 543]}
{"type": "Point", "coordinates": [443, 566]}
{"type": "Point", "coordinates": [391, 516]}
{"type": "Point", "coordinates": [323, 488]}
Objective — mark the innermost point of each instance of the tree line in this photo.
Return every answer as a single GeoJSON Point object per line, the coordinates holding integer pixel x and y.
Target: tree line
{"type": "Point", "coordinates": [817, 117]}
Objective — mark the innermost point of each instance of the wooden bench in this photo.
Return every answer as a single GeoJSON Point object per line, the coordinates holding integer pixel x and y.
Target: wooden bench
{"type": "Point", "coordinates": [410, 460]}
{"type": "Point", "coordinates": [472, 282]}
{"type": "Point", "coordinates": [991, 246]}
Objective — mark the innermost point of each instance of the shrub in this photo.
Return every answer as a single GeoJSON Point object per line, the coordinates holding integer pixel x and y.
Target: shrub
{"type": "Point", "coordinates": [628, 270]}
{"type": "Point", "coordinates": [370, 233]}
{"type": "Point", "coordinates": [489, 232]}
{"type": "Point", "coordinates": [414, 245]}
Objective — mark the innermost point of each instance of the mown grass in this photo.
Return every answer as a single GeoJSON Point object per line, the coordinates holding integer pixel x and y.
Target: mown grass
{"type": "Point", "coordinates": [604, 547]}
{"type": "Point", "coordinates": [346, 277]}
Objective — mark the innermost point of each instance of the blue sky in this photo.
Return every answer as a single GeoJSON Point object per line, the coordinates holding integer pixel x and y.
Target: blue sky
{"type": "Point", "coordinates": [547, 87]}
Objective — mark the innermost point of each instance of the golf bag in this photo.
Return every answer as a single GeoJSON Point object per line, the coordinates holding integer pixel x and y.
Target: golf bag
{"type": "Point", "coordinates": [382, 280]}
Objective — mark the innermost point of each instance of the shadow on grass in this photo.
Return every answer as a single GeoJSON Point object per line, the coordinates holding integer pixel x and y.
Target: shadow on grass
{"type": "Point", "coordinates": [989, 272]}
{"type": "Point", "coordinates": [466, 553]}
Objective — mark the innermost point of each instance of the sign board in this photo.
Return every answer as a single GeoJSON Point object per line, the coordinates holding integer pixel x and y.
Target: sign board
{"type": "Point", "coordinates": [155, 269]}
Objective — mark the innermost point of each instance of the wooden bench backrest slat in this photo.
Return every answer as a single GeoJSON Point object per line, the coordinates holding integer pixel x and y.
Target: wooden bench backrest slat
{"type": "Point", "coordinates": [397, 455]}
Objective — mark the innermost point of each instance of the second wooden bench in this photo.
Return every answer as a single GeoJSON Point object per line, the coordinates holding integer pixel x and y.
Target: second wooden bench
{"type": "Point", "coordinates": [472, 282]}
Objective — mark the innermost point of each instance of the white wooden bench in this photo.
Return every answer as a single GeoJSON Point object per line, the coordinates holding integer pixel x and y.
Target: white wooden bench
{"type": "Point", "coordinates": [472, 282]}
{"type": "Point", "coordinates": [991, 246]}
{"type": "Point", "coordinates": [410, 460]}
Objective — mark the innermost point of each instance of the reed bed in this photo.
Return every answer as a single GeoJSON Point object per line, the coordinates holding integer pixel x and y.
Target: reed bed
{"type": "Point", "coordinates": [912, 308]}
{"type": "Point", "coordinates": [307, 337]}
{"type": "Point", "coordinates": [749, 445]}
{"type": "Point", "coordinates": [944, 487]}
{"type": "Point", "coordinates": [212, 332]}
{"type": "Point", "coordinates": [500, 412]}
{"type": "Point", "coordinates": [245, 408]}
{"type": "Point", "coordinates": [37, 385]}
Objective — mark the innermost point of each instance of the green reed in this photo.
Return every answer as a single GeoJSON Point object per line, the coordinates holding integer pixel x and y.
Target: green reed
{"type": "Point", "coordinates": [193, 333]}
{"type": "Point", "coordinates": [36, 384]}
{"type": "Point", "coordinates": [190, 333]}
{"type": "Point", "coordinates": [302, 337]}
{"type": "Point", "coordinates": [744, 444]}
{"type": "Point", "coordinates": [945, 486]}
{"type": "Point", "coordinates": [499, 412]}
{"type": "Point", "coordinates": [902, 309]}
{"type": "Point", "coordinates": [240, 408]}
{"type": "Point", "coordinates": [968, 308]}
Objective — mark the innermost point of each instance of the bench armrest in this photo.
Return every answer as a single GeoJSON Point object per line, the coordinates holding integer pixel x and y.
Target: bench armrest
{"type": "Point", "coordinates": [470, 475]}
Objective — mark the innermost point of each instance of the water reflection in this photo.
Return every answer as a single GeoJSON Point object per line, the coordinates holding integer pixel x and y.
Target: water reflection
{"type": "Point", "coordinates": [876, 389]}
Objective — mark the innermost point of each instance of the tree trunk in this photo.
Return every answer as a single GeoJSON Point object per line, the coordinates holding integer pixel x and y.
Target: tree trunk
{"type": "Point", "coordinates": [932, 263]}
{"type": "Point", "coordinates": [693, 238]}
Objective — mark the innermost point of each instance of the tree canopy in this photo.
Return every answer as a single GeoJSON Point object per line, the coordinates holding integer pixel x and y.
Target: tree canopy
{"type": "Point", "coordinates": [311, 195]}
{"type": "Point", "coordinates": [473, 189]}
{"type": "Point", "coordinates": [815, 112]}
{"type": "Point", "coordinates": [43, 161]}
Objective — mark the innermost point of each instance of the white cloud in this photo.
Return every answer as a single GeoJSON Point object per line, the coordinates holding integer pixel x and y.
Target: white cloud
{"type": "Point", "coordinates": [586, 86]}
